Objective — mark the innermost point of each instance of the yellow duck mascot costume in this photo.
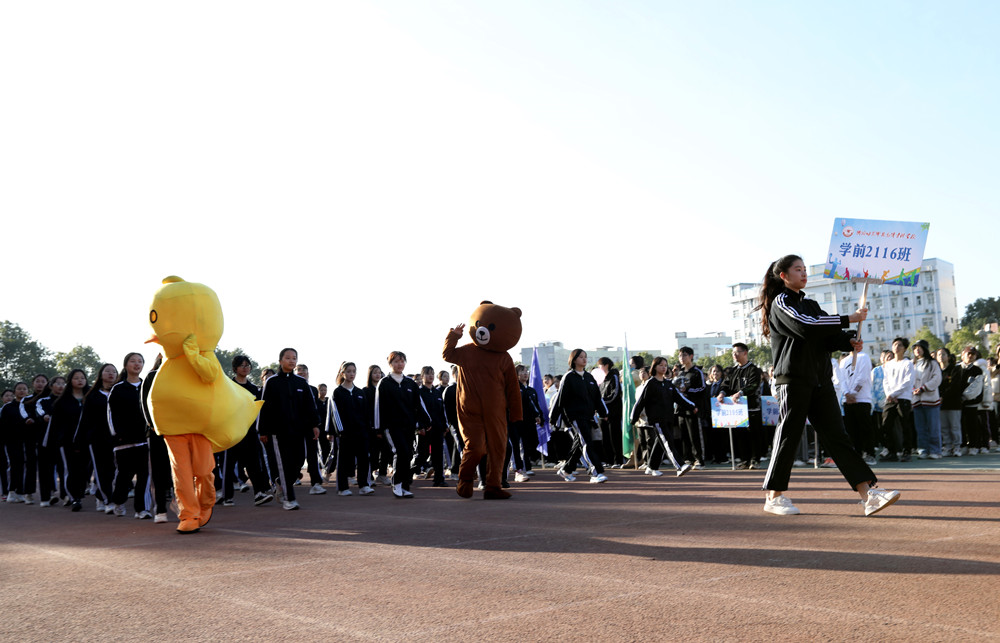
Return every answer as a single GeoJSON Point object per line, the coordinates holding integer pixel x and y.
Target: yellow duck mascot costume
{"type": "Point", "coordinates": [194, 406]}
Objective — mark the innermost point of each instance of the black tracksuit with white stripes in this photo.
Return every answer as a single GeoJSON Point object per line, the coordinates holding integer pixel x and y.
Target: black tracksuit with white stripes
{"type": "Point", "coordinates": [802, 336]}
{"type": "Point", "coordinates": [246, 454]}
{"type": "Point", "coordinates": [127, 424]}
{"type": "Point", "coordinates": [400, 413]}
{"type": "Point", "coordinates": [350, 418]}
{"type": "Point", "coordinates": [657, 399]}
{"type": "Point", "coordinates": [288, 416]}
{"type": "Point", "coordinates": [578, 400]}
{"type": "Point", "coordinates": [93, 435]}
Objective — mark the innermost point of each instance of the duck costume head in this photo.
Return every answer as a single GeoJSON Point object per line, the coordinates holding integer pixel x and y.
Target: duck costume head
{"type": "Point", "coordinates": [191, 394]}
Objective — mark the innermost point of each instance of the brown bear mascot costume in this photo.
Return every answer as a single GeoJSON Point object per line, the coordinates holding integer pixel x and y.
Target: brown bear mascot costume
{"type": "Point", "coordinates": [488, 393]}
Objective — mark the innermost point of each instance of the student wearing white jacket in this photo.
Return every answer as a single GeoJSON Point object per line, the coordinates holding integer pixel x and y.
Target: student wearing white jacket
{"type": "Point", "coordinates": [897, 416]}
{"type": "Point", "coordinates": [856, 371]}
{"type": "Point", "coordinates": [926, 401]}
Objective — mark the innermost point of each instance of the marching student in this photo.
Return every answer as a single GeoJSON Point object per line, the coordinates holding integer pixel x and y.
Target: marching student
{"type": "Point", "coordinates": [63, 419]}
{"type": "Point", "coordinates": [656, 399]}
{"type": "Point", "coordinates": [574, 407]}
{"type": "Point", "coordinates": [93, 435]}
{"type": "Point", "coordinates": [926, 401]}
{"type": "Point", "coordinates": [611, 393]}
{"type": "Point", "coordinates": [288, 418]}
{"type": "Point", "coordinates": [349, 411]}
{"type": "Point", "coordinates": [127, 425]}
{"type": "Point", "coordinates": [313, 463]}
{"type": "Point", "coordinates": [159, 456]}
{"type": "Point", "coordinates": [802, 336]}
{"type": "Point", "coordinates": [524, 434]}
{"type": "Point", "coordinates": [50, 469]}
{"type": "Point", "coordinates": [379, 450]}
{"type": "Point", "coordinates": [11, 428]}
{"type": "Point", "coordinates": [693, 386]}
{"type": "Point", "coordinates": [31, 434]}
{"type": "Point", "coordinates": [449, 395]}
{"type": "Point", "coordinates": [246, 454]}
{"type": "Point", "coordinates": [399, 413]}
{"type": "Point", "coordinates": [433, 401]}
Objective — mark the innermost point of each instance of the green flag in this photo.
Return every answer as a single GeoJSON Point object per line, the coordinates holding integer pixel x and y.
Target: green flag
{"type": "Point", "coordinates": [628, 401]}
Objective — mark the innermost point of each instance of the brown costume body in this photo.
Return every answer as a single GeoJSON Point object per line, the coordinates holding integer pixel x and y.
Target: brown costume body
{"type": "Point", "coordinates": [488, 396]}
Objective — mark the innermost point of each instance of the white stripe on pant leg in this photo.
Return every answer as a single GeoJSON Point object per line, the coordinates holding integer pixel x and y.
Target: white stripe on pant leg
{"type": "Point", "coordinates": [782, 394]}
{"type": "Point", "coordinates": [97, 476]}
{"type": "Point", "coordinates": [666, 446]}
{"type": "Point", "coordinates": [281, 470]}
{"type": "Point", "coordinates": [65, 480]}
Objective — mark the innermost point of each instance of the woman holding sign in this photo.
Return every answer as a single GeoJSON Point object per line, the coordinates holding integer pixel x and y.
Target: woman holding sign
{"type": "Point", "coordinates": [802, 337]}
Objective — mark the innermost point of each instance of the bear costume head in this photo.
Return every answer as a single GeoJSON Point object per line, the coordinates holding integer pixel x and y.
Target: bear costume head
{"type": "Point", "coordinates": [495, 328]}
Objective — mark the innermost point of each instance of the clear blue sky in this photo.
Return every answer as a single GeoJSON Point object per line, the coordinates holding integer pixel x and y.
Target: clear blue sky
{"type": "Point", "coordinates": [354, 178]}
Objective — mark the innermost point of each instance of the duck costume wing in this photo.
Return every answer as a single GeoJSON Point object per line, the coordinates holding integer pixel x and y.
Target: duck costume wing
{"type": "Point", "coordinates": [191, 393]}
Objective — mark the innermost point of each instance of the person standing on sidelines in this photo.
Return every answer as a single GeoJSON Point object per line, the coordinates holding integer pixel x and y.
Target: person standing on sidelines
{"type": "Point", "coordinates": [694, 388]}
{"type": "Point", "coordinates": [802, 336]}
{"type": "Point", "coordinates": [288, 418]}
{"type": "Point", "coordinates": [857, 369]}
{"type": "Point", "coordinates": [897, 415]}
{"type": "Point", "coordinates": [744, 382]}
{"type": "Point", "coordinates": [926, 401]}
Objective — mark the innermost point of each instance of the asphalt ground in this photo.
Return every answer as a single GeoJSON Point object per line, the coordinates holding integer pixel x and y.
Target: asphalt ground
{"type": "Point", "coordinates": [635, 559]}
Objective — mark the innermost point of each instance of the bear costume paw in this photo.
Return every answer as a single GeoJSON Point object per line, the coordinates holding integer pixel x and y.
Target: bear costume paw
{"type": "Point", "coordinates": [464, 488]}
{"type": "Point", "coordinates": [495, 493]}
{"type": "Point", "coordinates": [188, 527]}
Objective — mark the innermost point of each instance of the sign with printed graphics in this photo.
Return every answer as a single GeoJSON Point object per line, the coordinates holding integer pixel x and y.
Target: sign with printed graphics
{"type": "Point", "coordinates": [876, 252]}
{"type": "Point", "coordinates": [729, 413]}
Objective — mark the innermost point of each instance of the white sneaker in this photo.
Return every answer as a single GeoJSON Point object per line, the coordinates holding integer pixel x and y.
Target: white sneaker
{"type": "Point", "coordinates": [143, 515]}
{"type": "Point", "coordinates": [345, 492]}
{"type": "Point", "coordinates": [290, 505]}
{"type": "Point", "coordinates": [100, 506]}
{"type": "Point", "coordinates": [879, 499]}
{"type": "Point", "coordinates": [109, 509]}
{"type": "Point", "coordinates": [386, 480]}
{"type": "Point", "coordinates": [781, 506]}
{"type": "Point", "coordinates": [934, 456]}
{"type": "Point", "coordinates": [400, 492]}
{"type": "Point", "coordinates": [568, 477]}
{"type": "Point", "coordinates": [119, 510]}
{"type": "Point", "coordinates": [684, 469]}
{"type": "Point", "coordinates": [529, 472]}
{"type": "Point", "coordinates": [158, 518]}
{"type": "Point", "coordinates": [656, 473]}
{"type": "Point", "coordinates": [28, 498]}
{"type": "Point", "coordinates": [520, 477]}
{"type": "Point", "coordinates": [352, 481]}
{"type": "Point", "coordinates": [798, 463]}
{"type": "Point", "coordinates": [366, 491]}
{"type": "Point", "coordinates": [316, 490]}
{"type": "Point", "coordinates": [480, 487]}
{"type": "Point", "coordinates": [599, 478]}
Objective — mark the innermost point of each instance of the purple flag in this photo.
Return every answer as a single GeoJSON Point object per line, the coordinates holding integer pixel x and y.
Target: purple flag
{"type": "Point", "coordinates": [535, 382]}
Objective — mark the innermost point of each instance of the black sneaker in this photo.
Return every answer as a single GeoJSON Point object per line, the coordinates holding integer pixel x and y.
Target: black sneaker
{"type": "Point", "coordinates": [229, 502]}
{"type": "Point", "coordinates": [262, 498]}
{"type": "Point", "coordinates": [76, 506]}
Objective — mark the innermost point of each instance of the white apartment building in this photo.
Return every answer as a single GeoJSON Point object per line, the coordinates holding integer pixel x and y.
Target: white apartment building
{"type": "Point", "coordinates": [553, 357]}
{"type": "Point", "coordinates": [711, 345]}
{"type": "Point", "coordinates": [894, 311]}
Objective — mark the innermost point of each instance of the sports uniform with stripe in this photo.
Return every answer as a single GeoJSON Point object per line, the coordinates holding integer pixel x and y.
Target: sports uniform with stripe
{"type": "Point", "coordinates": [127, 425]}
{"type": "Point", "coordinates": [399, 413]}
{"type": "Point", "coordinates": [657, 398]}
{"type": "Point", "coordinates": [349, 413]}
{"type": "Point", "coordinates": [93, 436]}
{"type": "Point", "coordinates": [802, 337]}
{"type": "Point", "coordinates": [576, 403]}
{"type": "Point", "coordinates": [288, 416]}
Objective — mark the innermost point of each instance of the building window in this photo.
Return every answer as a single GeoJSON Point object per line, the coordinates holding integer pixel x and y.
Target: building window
{"type": "Point", "coordinates": [930, 298]}
{"type": "Point", "coordinates": [869, 329]}
{"type": "Point", "coordinates": [854, 287]}
{"type": "Point", "coordinates": [736, 314]}
{"type": "Point", "coordinates": [906, 302]}
{"type": "Point", "coordinates": [881, 326]}
{"type": "Point", "coordinates": [908, 325]}
{"type": "Point", "coordinates": [892, 302]}
{"type": "Point", "coordinates": [918, 300]}
{"type": "Point", "coordinates": [895, 324]}
{"type": "Point", "coordinates": [827, 297]}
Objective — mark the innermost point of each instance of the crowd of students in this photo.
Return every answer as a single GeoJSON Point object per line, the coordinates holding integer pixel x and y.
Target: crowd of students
{"type": "Point", "coordinates": [67, 438]}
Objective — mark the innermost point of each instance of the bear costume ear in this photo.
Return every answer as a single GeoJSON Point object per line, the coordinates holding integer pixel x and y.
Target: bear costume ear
{"type": "Point", "coordinates": [483, 303]}
{"type": "Point", "coordinates": [517, 310]}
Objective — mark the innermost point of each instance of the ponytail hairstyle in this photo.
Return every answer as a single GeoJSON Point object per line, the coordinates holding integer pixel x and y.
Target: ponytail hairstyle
{"type": "Point", "coordinates": [771, 287]}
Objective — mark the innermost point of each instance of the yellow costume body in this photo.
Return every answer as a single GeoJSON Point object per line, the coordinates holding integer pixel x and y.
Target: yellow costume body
{"type": "Point", "coordinates": [193, 404]}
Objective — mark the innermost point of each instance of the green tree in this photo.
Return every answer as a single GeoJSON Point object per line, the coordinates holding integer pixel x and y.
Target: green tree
{"type": "Point", "coordinates": [21, 357]}
{"type": "Point", "coordinates": [226, 359]}
{"type": "Point", "coordinates": [760, 354]}
{"type": "Point", "coordinates": [933, 341]}
{"type": "Point", "coordinates": [964, 337]}
{"type": "Point", "coordinates": [79, 356]}
{"type": "Point", "coordinates": [980, 312]}
{"type": "Point", "coordinates": [724, 360]}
